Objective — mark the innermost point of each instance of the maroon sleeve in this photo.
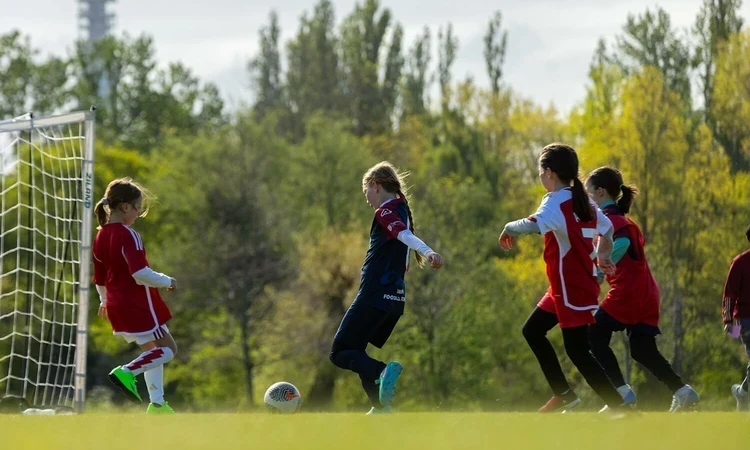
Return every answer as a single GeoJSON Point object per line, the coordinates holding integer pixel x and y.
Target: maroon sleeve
{"type": "Point", "coordinates": [732, 289]}
{"type": "Point", "coordinates": [389, 220]}
{"type": "Point", "coordinates": [132, 250]}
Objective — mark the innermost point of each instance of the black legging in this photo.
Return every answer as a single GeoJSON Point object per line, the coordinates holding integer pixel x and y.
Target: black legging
{"type": "Point", "coordinates": [362, 324]}
{"type": "Point", "coordinates": [577, 348]}
{"type": "Point", "coordinates": [643, 350]}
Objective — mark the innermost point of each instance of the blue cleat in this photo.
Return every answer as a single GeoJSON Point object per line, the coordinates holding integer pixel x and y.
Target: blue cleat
{"type": "Point", "coordinates": [387, 382]}
{"type": "Point", "coordinates": [684, 399]}
{"type": "Point", "coordinates": [629, 399]}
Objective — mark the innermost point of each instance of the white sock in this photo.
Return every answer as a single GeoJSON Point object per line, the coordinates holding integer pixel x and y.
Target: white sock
{"type": "Point", "coordinates": [623, 390]}
{"type": "Point", "coordinates": [150, 359]}
{"type": "Point", "coordinates": [155, 384]}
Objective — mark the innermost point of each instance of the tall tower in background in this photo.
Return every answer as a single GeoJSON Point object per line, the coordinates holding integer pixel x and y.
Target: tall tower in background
{"type": "Point", "coordinates": [95, 21]}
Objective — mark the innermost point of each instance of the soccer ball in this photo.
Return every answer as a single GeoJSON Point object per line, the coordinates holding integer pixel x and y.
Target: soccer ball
{"type": "Point", "coordinates": [282, 397]}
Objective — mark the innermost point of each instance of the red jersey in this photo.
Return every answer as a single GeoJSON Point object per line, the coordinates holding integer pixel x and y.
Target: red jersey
{"type": "Point", "coordinates": [633, 295]}
{"type": "Point", "coordinates": [569, 251]}
{"type": "Point", "coordinates": [131, 307]}
{"type": "Point", "coordinates": [736, 304]}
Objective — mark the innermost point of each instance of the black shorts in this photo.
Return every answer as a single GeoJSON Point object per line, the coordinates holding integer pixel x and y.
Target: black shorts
{"type": "Point", "coordinates": [604, 320]}
{"type": "Point", "coordinates": [363, 324]}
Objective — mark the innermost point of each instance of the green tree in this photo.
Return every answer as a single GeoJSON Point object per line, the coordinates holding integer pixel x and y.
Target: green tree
{"type": "Point", "coordinates": [730, 100]}
{"type": "Point", "coordinates": [238, 254]}
{"type": "Point", "coordinates": [416, 78]}
{"type": "Point", "coordinates": [265, 69]}
{"type": "Point", "coordinates": [650, 40]}
{"type": "Point", "coordinates": [495, 42]}
{"type": "Point", "coordinates": [314, 78]}
{"type": "Point", "coordinates": [364, 35]}
{"type": "Point", "coordinates": [447, 47]}
{"type": "Point", "coordinates": [142, 104]}
{"type": "Point", "coordinates": [717, 20]}
{"type": "Point", "coordinates": [27, 85]}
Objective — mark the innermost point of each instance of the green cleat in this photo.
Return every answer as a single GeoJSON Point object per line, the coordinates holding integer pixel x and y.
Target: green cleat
{"type": "Point", "coordinates": [125, 380]}
{"type": "Point", "coordinates": [383, 410]}
{"type": "Point", "coordinates": [153, 408]}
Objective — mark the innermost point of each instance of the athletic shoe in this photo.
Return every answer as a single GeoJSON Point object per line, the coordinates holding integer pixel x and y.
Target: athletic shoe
{"type": "Point", "coordinates": [384, 410]}
{"type": "Point", "coordinates": [125, 380]}
{"type": "Point", "coordinates": [742, 397]}
{"type": "Point", "coordinates": [563, 403]}
{"type": "Point", "coordinates": [387, 382]}
{"type": "Point", "coordinates": [685, 398]}
{"type": "Point", "coordinates": [628, 398]}
{"type": "Point", "coordinates": [153, 408]}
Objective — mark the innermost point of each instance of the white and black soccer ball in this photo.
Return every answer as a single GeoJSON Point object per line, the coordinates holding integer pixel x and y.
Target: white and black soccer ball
{"type": "Point", "coordinates": [282, 397]}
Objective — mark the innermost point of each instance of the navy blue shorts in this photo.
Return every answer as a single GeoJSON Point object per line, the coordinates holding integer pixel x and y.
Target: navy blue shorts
{"type": "Point", "coordinates": [604, 320]}
{"type": "Point", "coordinates": [363, 324]}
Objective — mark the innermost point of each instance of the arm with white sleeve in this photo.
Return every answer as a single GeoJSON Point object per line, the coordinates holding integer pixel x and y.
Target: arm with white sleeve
{"type": "Point", "coordinates": [148, 277]}
{"type": "Point", "coordinates": [522, 226]}
{"type": "Point", "coordinates": [414, 243]}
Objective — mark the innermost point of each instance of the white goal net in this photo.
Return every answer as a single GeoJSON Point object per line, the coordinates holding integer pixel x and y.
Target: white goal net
{"type": "Point", "coordinates": [46, 184]}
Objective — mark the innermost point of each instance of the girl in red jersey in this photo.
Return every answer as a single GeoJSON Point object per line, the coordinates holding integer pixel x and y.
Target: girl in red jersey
{"type": "Point", "coordinates": [569, 222]}
{"type": "Point", "coordinates": [129, 296]}
{"type": "Point", "coordinates": [632, 302]}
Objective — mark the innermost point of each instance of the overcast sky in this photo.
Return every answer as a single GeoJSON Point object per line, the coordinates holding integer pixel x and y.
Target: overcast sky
{"type": "Point", "coordinates": [550, 42]}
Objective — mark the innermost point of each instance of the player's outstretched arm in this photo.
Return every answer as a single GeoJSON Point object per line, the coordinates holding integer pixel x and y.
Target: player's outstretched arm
{"type": "Point", "coordinates": [416, 244]}
{"type": "Point", "coordinates": [516, 228]}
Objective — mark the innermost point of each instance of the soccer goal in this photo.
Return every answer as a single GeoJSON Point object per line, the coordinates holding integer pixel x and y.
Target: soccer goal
{"type": "Point", "coordinates": [46, 188]}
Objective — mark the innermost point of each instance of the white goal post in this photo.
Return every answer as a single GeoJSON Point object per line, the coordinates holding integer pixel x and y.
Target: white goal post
{"type": "Point", "coordinates": [46, 220]}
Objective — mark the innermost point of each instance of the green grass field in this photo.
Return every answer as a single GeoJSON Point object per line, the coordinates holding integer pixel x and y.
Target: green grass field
{"type": "Point", "coordinates": [430, 431]}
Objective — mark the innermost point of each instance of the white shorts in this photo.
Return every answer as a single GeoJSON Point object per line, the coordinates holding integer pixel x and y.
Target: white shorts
{"type": "Point", "coordinates": [144, 338]}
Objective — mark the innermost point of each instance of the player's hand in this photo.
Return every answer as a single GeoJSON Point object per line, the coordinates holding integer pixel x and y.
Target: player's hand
{"type": "Point", "coordinates": [505, 240]}
{"type": "Point", "coordinates": [173, 286]}
{"type": "Point", "coordinates": [435, 260]}
{"type": "Point", "coordinates": [103, 312]}
{"type": "Point", "coordinates": [607, 266]}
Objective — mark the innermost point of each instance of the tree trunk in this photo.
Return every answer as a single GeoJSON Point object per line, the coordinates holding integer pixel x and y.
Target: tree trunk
{"type": "Point", "coordinates": [321, 391]}
{"type": "Point", "coordinates": [247, 361]}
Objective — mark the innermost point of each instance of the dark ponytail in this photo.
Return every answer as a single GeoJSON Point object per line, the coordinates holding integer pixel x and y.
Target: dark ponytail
{"type": "Point", "coordinates": [419, 258]}
{"type": "Point", "coordinates": [563, 160]}
{"type": "Point", "coordinates": [101, 214]}
{"type": "Point", "coordinates": [628, 196]}
{"type": "Point", "coordinates": [581, 202]}
{"type": "Point", "coordinates": [610, 180]}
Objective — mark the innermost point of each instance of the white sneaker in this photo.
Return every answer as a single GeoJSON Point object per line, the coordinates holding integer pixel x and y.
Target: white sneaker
{"type": "Point", "coordinates": [685, 398]}
{"type": "Point", "coordinates": [742, 397]}
{"type": "Point", "coordinates": [384, 410]}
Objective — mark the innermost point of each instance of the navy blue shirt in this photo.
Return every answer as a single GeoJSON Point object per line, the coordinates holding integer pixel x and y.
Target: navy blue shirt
{"type": "Point", "coordinates": [382, 280]}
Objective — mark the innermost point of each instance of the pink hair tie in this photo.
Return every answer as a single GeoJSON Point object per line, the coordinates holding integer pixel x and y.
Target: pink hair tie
{"type": "Point", "coordinates": [105, 201]}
